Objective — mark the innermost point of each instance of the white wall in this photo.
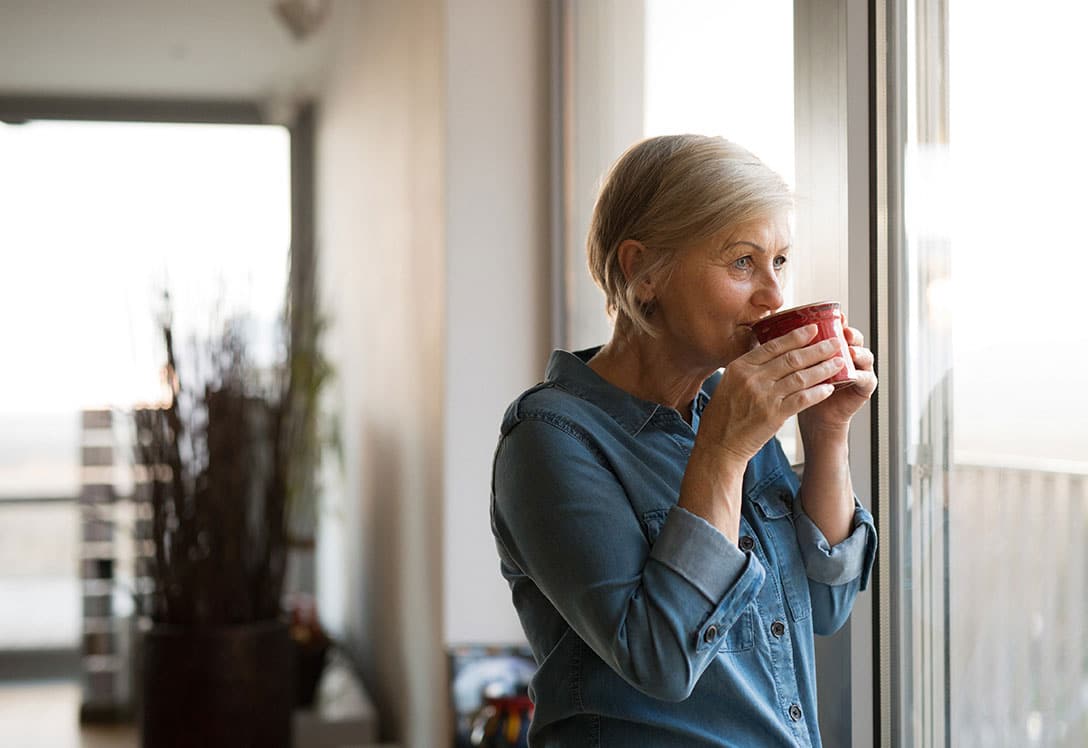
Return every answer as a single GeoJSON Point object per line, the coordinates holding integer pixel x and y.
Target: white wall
{"type": "Point", "coordinates": [433, 242]}
{"type": "Point", "coordinates": [381, 242]}
{"type": "Point", "coordinates": [497, 280]}
{"type": "Point", "coordinates": [603, 112]}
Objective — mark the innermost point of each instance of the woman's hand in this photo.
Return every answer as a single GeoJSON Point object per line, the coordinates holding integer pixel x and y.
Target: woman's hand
{"type": "Point", "coordinates": [767, 385]}
{"type": "Point", "coordinates": [835, 412]}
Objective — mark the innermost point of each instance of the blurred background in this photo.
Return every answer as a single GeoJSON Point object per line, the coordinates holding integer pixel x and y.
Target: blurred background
{"type": "Point", "coordinates": [431, 165]}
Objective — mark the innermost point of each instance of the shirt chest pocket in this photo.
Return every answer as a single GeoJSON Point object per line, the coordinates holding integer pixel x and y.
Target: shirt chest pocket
{"type": "Point", "coordinates": [741, 635]}
{"type": "Point", "coordinates": [773, 508]}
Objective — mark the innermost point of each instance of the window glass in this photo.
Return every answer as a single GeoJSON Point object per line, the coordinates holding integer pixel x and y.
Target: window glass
{"type": "Point", "coordinates": [723, 67]}
{"type": "Point", "coordinates": [98, 219]}
{"type": "Point", "coordinates": [995, 575]}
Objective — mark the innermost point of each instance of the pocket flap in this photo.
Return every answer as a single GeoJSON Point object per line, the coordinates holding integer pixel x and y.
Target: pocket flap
{"type": "Point", "coordinates": [774, 502]}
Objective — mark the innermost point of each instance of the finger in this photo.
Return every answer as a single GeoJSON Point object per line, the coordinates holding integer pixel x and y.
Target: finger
{"type": "Point", "coordinates": [805, 378]}
{"type": "Point", "coordinates": [803, 358]}
{"type": "Point", "coordinates": [774, 348]}
{"type": "Point", "coordinates": [806, 398]}
{"type": "Point", "coordinates": [863, 357]}
{"type": "Point", "coordinates": [853, 335]}
{"type": "Point", "coordinates": [866, 384]}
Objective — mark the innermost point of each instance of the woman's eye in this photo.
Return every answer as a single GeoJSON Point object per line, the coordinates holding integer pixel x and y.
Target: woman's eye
{"type": "Point", "coordinates": [744, 263]}
{"type": "Point", "coordinates": [779, 262]}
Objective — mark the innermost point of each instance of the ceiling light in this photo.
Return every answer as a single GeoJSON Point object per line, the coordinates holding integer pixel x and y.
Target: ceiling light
{"type": "Point", "coordinates": [302, 17]}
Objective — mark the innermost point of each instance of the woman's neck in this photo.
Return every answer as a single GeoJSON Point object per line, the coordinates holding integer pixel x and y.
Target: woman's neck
{"type": "Point", "coordinates": [648, 369]}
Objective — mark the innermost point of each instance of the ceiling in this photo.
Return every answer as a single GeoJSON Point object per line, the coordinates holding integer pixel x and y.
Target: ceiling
{"type": "Point", "coordinates": [161, 49]}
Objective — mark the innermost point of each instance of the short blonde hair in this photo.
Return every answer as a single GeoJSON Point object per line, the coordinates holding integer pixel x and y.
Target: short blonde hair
{"type": "Point", "coordinates": [667, 193]}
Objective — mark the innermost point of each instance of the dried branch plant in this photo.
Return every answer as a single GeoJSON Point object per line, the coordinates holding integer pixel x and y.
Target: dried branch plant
{"type": "Point", "coordinates": [217, 459]}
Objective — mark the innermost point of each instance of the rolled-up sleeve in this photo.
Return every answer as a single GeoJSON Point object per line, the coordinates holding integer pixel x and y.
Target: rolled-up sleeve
{"type": "Point", "coordinates": [698, 553]}
{"type": "Point", "coordinates": [684, 545]}
{"type": "Point", "coordinates": [654, 614]}
{"type": "Point", "coordinates": [835, 573]}
{"type": "Point", "coordinates": [848, 560]}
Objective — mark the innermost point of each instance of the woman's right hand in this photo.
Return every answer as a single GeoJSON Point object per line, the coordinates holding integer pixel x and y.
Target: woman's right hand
{"type": "Point", "coordinates": [764, 387]}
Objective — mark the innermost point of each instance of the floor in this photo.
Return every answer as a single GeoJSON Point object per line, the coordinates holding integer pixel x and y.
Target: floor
{"type": "Point", "coordinates": [45, 714]}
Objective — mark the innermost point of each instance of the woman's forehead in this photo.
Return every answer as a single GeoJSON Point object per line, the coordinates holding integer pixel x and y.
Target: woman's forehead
{"type": "Point", "coordinates": [768, 233]}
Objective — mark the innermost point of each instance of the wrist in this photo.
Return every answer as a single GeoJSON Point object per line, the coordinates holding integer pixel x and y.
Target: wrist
{"type": "Point", "coordinates": [827, 433]}
{"type": "Point", "coordinates": [727, 465]}
{"type": "Point", "coordinates": [825, 444]}
{"type": "Point", "coordinates": [711, 489]}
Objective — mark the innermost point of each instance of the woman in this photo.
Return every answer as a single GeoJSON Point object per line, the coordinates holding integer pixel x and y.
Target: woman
{"type": "Point", "coordinates": [668, 567]}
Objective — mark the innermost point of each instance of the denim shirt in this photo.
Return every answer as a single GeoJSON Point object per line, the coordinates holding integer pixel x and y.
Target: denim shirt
{"type": "Point", "coordinates": [649, 627]}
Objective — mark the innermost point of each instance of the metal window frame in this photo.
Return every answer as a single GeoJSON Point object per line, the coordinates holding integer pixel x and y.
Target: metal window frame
{"type": "Point", "coordinates": [913, 686]}
{"type": "Point", "coordinates": [888, 241]}
{"type": "Point", "coordinates": [834, 101]}
{"type": "Point", "coordinates": [19, 108]}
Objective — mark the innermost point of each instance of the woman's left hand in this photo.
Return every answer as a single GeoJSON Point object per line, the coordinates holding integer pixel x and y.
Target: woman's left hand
{"type": "Point", "coordinates": [836, 411]}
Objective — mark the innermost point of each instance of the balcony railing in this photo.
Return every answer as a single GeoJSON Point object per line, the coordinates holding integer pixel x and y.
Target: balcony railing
{"type": "Point", "coordinates": [1018, 594]}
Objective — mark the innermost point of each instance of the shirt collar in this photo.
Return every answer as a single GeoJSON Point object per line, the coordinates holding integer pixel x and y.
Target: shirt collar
{"type": "Point", "coordinates": [570, 371]}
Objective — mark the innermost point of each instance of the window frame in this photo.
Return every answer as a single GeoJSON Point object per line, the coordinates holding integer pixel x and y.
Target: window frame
{"type": "Point", "coordinates": [834, 85]}
{"type": "Point", "coordinates": [888, 241]}
{"type": "Point", "coordinates": [19, 109]}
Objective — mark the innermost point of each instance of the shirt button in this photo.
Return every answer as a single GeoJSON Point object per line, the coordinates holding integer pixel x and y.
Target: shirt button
{"type": "Point", "coordinates": [710, 634]}
{"type": "Point", "coordinates": [778, 628]}
{"type": "Point", "coordinates": [795, 713]}
{"type": "Point", "coordinates": [746, 543]}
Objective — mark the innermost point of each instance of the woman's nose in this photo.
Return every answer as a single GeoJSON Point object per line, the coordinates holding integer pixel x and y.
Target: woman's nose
{"type": "Point", "coordinates": [769, 294]}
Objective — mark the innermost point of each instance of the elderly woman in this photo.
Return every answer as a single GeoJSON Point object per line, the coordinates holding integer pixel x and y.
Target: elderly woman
{"type": "Point", "coordinates": [669, 568]}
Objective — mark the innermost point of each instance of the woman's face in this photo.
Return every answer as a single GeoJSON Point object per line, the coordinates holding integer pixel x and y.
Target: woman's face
{"type": "Point", "coordinates": [719, 287]}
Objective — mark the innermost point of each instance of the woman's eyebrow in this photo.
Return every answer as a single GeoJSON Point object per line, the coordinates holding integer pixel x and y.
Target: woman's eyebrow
{"type": "Point", "coordinates": [754, 246]}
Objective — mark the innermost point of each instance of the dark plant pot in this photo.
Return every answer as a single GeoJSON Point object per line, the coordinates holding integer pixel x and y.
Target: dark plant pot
{"type": "Point", "coordinates": [217, 687]}
{"type": "Point", "coordinates": [310, 663]}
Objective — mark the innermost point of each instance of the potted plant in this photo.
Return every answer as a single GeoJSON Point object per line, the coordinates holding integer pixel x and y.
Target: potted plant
{"type": "Point", "coordinates": [228, 462]}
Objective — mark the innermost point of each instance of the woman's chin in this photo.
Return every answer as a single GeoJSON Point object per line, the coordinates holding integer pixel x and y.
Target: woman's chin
{"type": "Point", "coordinates": [744, 340]}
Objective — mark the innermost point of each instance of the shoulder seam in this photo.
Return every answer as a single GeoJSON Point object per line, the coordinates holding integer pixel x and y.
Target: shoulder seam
{"type": "Point", "coordinates": [567, 427]}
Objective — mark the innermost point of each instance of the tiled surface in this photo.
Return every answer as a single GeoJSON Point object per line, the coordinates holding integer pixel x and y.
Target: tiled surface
{"type": "Point", "coordinates": [46, 715]}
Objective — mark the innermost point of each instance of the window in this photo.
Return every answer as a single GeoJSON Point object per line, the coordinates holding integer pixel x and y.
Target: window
{"type": "Point", "coordinates": [990, 501]}
{"type": "Point", "coordinates": [724, 68]}
{"type": "Point", "coordinates": [98, 219]}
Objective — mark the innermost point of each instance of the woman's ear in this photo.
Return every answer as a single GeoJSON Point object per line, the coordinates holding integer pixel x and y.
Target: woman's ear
{"type": "Point", "coordinates": [632, 256]}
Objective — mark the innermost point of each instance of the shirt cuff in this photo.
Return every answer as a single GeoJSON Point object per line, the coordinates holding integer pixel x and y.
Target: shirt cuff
{"type": "Point", "coordinates": [850, 559]}
{"type": "Point", "coordinates": [700, 553]}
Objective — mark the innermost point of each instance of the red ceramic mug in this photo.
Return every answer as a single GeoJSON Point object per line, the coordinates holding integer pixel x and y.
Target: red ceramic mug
{"type": "Point", "coordinates": [827, 316]}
